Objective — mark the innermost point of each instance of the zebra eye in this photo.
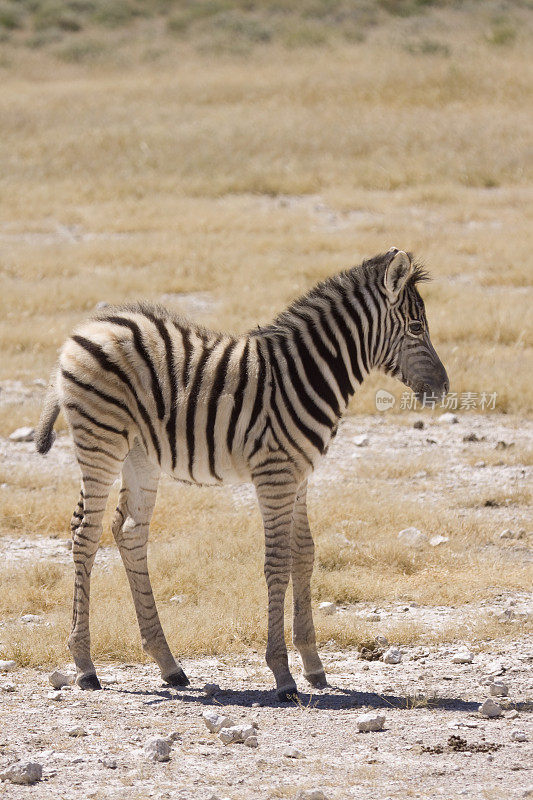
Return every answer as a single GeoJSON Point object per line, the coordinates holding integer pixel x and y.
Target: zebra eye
{"type": "Point", "coordinates": [416, 328]}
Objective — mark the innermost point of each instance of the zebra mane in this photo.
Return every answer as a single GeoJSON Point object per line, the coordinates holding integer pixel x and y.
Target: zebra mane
{"type": "Point", "coordinates": [368, 273]}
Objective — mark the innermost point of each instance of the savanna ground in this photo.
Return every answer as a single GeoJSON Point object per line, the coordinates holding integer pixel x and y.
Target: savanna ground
{"type": "Point", "coordinates": [222, 157]}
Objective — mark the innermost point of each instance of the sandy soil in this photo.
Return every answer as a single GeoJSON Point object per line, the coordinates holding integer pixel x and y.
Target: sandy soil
{"type": "Point", "coordinates": [426, 699]}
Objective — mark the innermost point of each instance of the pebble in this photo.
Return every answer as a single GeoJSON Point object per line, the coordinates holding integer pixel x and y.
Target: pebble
{"type": "Point", "coordinates": [23, 772]}
{"type": "Point", "coordinates": [7, 666]}
{"type": "Point", "coordinates": [157, 749]}
{"type": "Point", "coordinates": [54, 695]}
{"type": "Point", "coordinates": [110, 763]}
{"type": "Point", "coordinates": [436, 540]}
{"type": "Point", "coordinates": [211, 689]}
{"type": "Point", "coordinates": [22, 435]}
{"type": "Point", "coordinates": [448, 419]}
{"type": "Point", "coordinates": [519, 736]}
{"type": "Point", "coordinates": [293, 752]}
{"type": "Point", "coordinates": [498, 689]}
{"type": "Point", "coordinates": [372, 617]}
{"type": "Point", "coordinates": [418, 425]}
{"type": "Point", "coordinates": [30, 618]}
{"type": "Point", "coordinates": [370, 722]}
{"type": "Point", "coordinates": [413, 537]}
{"type": "Point", "coordinates": [490, 709]}
{"type": "Point", "coordinates": [327, 608]}
{"type": "Point", "coordinates": [311, 794]}
{"type": "Point", "coordinates": [251, 741]}
{"type": "Point", "coordinates": [59, 679]}
{"type": "Point", "coordinates": [76, 732]}
{"type": "Point", "coordinates": [510, 534]}
{"type": "Point", "coordinates": [513, 714]}
{"type": "Point", "coordinates": [382, 641]}
{"type": "Point", "coordinates": [215, 722]}
{"type": "Point", "coordinates": [361, 441]}
{"type": "Point", "coordinates": [463, 656]}
{"type": "Point", "coordinates": [236, 734]}
{"type": "Point", "coordinates": [8, 687]}
{"type": "Point", "coordinates": [392, 656]}
{"type": "Point", "coordinates": [528, 792]}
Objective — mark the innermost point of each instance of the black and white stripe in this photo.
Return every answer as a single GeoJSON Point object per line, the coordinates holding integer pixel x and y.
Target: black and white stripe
{"type": "Point", "coordinates": [147, 392]}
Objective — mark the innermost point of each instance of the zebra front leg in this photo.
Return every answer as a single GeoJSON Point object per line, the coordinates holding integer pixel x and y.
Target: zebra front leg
{"type": "Point", "coordinates": [131, 529]}
{"type": "Point", "coordinates": [276, 502]}
{"type": "Point", "coordinates": [302, 561]}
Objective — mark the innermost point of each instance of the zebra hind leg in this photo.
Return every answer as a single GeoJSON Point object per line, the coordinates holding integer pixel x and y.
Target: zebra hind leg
{"type": "Point", "coordinates": [130, 527]}
{"type": "Point", "coordinates": [302, 561]}
{"type": "Point", "coordinates": [98, 475]}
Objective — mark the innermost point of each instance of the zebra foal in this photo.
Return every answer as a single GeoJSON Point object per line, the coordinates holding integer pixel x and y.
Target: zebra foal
{"type": "Point", "coordinates": [144, 391]}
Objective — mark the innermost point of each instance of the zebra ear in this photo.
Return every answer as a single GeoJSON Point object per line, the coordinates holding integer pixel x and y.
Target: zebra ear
{"type": "Point", "coordinates": [397, 272]}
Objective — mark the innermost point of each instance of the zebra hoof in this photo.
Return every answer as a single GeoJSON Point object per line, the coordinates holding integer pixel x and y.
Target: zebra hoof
{"type": "Point", "coordinates": [317, 679]}
{"type": "Point", "coordinates": [288, 695]}
{"type": "Point", "coordinates": [177, 679]}
{"type": "Point", "coordinates": [89, 682]}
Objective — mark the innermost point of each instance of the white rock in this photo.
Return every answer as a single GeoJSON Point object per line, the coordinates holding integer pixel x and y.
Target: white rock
{"type": "Point", "coordinates": [7, 666]}
{"type": "Point", "coordinates": [448, 418]}
{"type": "Point", "coordinates": [77, 732]}
{"type": "Point", "coordinates": [463, 656]}
{"type": "Point", "coordinates": [382, 641]}
{"type": "Point", "coordinates": [372, 617]}
{"type": "Point", "coordinates": [361, 441]}
{"type": "Point", "coordinates": [110, 763]}
{"type": "Point", "coordinates": [392, 656]}
{"type": "Point", "coordinates": [293, 752]}
{"type": "Point", "coordinates": [528, 792]}
{"type": "Point", "coordinates": [251, 741]}
{"type": "Point", "coordinates": [23, 772]}
{"type": "Point", "coordinates": [490, 709]}
{"type": "Point", "coordinates": [412, 537]}
{"type": "Point", "coordinates": [509, 534]}
{"type": "Point", "coordinates": [8, 687]}
{"type": "Point", "coordinates": [327, 608]}
{"type": "Point", "coordinates": [22, 435]}
{"type": "Point", "coordinates": [101, 304]}
{"type": "Point", "coordinates": [370, 722]}
{"type": "Point", "coordinates": [211, 689]}
{"type": "Point", "coordinates": [519, 736]}
{"type": "Point", "coordinates": [30, 618]}
{"type": "Point", "coordinates": [157, 749]}
{"type": "Point", "coordinates": [236, 733]}
{"type": "Point", "coordinates": [215, 722]}
{"type": "Point", "coordinates": [54, 695]}
{"type": "Point", "coordinates": [436, 540]}
{"type": "Point", "coordinates": [59, 679]}
{"type": "Point", "coordinates": [498, 689]}
{"type": "Point", "coordinates": [311, 794]}
{"type": "Point", "coordinates": [513, 714]}
{"type": "Point", "coordinates": [108, 680]}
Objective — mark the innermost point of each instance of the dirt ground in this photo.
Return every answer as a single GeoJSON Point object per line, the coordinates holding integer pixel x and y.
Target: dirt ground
{"type": "Point", "coordinates": [426, 699]}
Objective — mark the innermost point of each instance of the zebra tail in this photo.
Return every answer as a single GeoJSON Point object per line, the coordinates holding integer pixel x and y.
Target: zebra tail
{"type": "Point", "coordinates": [44, 436]}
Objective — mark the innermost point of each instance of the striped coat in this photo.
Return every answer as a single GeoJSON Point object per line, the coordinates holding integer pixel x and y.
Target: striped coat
{"type": "Point", "coordinates": [146, 392]}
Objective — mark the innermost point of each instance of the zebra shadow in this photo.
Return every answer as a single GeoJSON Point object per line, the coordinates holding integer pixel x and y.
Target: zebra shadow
{"type": "Point", "coordinates": [332, 699]}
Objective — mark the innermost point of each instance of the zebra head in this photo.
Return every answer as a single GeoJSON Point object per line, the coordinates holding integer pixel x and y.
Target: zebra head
{"type": "Point", "coordinates": [411, 357]}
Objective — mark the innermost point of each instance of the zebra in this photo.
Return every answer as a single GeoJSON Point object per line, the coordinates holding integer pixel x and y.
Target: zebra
{"type": "Point", "coordinates": [145, 391]}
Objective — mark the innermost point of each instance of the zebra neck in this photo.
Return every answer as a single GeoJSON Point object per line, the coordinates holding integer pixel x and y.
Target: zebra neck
{"type": "Point", "coordinates": [321, 345]}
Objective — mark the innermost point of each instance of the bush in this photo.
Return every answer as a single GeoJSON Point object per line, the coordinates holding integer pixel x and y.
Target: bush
{"type": "Point", "coordinates": [10, 16]}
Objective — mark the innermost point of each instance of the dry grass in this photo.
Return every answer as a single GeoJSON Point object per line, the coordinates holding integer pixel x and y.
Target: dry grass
{"type": "Point", "coordinates": [209, 552]}
{"type": "Point", "coordinates": [191, 156]}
